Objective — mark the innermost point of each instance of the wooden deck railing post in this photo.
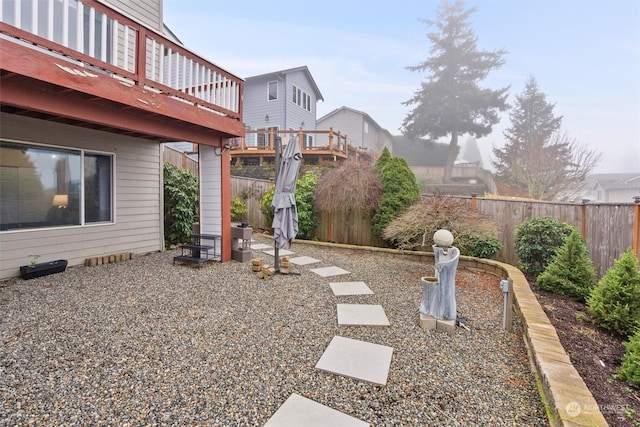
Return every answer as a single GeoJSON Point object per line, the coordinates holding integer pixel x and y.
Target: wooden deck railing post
{"type": "Point", "coordinates": [636, 225]}
{"type": "Point", "coordinates": [330, 138]}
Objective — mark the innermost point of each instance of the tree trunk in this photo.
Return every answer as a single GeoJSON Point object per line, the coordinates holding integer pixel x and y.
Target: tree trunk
{"type": "Point", "coordinates": [451, 157]}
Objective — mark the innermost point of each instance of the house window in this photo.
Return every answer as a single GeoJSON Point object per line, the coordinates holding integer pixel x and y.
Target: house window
{"type": "Point", "coordinates": [273, 91]}
{"type": "Point", "coordinates": [301, 98]}
{"type": "Point", "coordinates": [50, 187]}
{"type": "Point", "coordinates": [263, 136]}
{"type": "Point", "coordinates": [307, 141]}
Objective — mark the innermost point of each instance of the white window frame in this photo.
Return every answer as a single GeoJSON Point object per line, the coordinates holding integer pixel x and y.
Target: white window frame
{"type": "Point", "coordinates": [269, 86]}
{"type": "Point", "coordinates": [81, 206]}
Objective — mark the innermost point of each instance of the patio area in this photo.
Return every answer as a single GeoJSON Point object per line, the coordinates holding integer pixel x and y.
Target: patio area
{"type": "Point", "coordinates": [146, 342]}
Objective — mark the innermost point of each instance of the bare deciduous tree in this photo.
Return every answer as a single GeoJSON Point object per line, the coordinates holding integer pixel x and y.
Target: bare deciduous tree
{"type": "Point", "coordinates": [350, 188]}
{"type": "Point", "coordinates": [538, 157]}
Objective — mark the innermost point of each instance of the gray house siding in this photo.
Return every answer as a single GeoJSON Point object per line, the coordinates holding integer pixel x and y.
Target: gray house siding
{"type": "Point", "coordinates": [283, 113]}
{"type": "Point", "coordinates": [259, 112]}
{"type": "Point", "coordinates": [137, 199]}
{"type": "Point", "coordinates": [147, 12]}
{"type": "Point", "coordinates": [361, 130]}
{"type": "Point", "coordinates": [297, 116]}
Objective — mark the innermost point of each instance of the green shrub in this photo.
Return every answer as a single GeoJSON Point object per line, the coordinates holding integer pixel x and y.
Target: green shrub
{"type": "Point", "coordinates": [305, 195]}
{"type": "Point", "coordinates": [537, 241]}
{"type": "Point", "coordinates": [180, 203]}
{"type": "Point", "coordinates": [483, 247]}
{"type": "Point", "coordinates": [571, 272]}
{"type": "Point", "coordinates": [399, 191]}
{"type": "Point", "coordinates": [265, 206]}
{"type": "Point", "coordinates": [238, 210]}
{"type": "Point", "coordinates": [630, 368]}
{"type": "Point", "coordinates": [615, 301]}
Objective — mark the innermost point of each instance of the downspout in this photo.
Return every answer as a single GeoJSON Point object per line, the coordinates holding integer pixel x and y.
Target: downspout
{"type": "Point", "coordinates": [284, 103]}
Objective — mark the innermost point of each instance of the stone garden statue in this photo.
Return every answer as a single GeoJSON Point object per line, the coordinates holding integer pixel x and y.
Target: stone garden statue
{"type": "Point", "coordinates": [438, 303]}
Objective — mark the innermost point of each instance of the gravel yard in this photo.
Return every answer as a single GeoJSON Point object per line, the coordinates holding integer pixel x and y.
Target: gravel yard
{"type": "Point", "coordinates": [145, 342]}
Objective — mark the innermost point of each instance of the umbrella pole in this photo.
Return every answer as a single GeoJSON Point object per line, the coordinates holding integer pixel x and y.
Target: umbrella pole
{"type": "Point", "coordinates": [278, 147]}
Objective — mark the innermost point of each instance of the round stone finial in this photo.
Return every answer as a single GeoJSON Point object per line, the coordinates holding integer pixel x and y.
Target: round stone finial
{"type": "Point", "coordinates": [443, 238]}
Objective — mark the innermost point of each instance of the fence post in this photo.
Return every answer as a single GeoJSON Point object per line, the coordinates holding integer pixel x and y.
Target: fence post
{"type": "Point", "coordinates": [583, 228]}
{"type": "Point", "coordinates": [636, 224]}
{"type": "Point", "coordinates": [473, 200]}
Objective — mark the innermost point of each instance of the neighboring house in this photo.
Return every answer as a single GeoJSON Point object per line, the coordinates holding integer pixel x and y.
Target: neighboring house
{"type": "Point", "coordinates": [281, 100]}
{"type": "Point", "coordinates": [427, 159]}
{"type": "Point", "coordinates": [363, 133]}
{"type": "Point", "coordinates": [612, 187]}
{"type": "Point", "coordinates": [283, 104]}
{"type": "Point", "coordinates": [90, 92]}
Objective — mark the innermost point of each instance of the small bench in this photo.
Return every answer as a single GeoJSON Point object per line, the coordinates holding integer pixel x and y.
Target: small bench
{"type": "Point", "coordinates": [197, 253]}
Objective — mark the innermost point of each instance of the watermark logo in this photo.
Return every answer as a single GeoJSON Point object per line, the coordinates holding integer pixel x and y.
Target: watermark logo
{"type": "Point", "coordinates": [573, 409]}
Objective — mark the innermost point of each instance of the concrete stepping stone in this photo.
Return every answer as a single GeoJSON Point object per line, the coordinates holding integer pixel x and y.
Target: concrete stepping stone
{"type": "Point", "coordinates": [303, 260]}
{"type": "Point", "coordinates": [281, 252]}
{"type": "Point", "coordinates": [350, 288]}
{"type": "Point", "coordinates": [300, 411]}
{"type": "Point", "coordinates": [260, 246]}
{"type": "Point", "coordinates": [329, 271]}
{"type": "Point", "coordinates": [357, 359]}
{"type": "Point", "coordinates": [362, 315]}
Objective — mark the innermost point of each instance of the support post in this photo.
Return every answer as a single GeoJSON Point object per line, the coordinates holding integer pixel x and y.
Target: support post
{"type": "Point", "coordinates": [636, 225]}
{"type": "Point", "coordinates": [278, 147]}
{"type": "Point", "coordinates": [474, 200]}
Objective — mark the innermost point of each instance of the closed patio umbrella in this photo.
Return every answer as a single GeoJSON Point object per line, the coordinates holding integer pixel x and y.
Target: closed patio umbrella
{"type": "Point", "coordinates": [285, 214]}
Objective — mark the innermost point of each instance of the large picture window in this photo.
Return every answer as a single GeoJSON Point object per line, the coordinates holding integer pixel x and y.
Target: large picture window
{"type": "Point", "coordinates": [51, 187]}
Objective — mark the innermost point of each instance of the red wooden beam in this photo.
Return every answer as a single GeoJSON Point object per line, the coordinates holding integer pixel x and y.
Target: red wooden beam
{"type": "Point", "coordinates": [81, 81]}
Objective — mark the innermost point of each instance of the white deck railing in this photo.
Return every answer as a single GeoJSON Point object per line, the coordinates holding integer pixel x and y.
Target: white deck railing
{"type": "Point", "coordinates": [96, 36]}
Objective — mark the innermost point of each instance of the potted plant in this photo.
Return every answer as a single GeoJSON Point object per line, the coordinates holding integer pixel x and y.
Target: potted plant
{"type": "Point", "coordinates": [35, 269]}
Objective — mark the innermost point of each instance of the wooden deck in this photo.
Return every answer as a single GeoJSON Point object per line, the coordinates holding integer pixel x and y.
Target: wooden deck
{"type": "Point", "coordinates": [83, 63]}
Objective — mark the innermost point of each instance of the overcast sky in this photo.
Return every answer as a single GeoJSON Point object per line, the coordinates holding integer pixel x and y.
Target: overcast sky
{"type": "Point", "coordinates": [584, 54]}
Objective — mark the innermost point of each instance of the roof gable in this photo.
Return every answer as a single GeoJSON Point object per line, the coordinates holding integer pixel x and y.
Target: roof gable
{"type": "Point", "coordinates": [275, 74]}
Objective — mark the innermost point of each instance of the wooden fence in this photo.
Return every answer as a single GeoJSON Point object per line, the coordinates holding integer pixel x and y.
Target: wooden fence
{"type": "Point", "coordinates": [179, 159]}
{"type": "Point", "coordinates": [608, 228]}
{"type": "Point", "coordinates": [250, 191]}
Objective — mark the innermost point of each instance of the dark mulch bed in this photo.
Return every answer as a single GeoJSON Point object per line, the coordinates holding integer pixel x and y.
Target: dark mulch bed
{"type": "Point", "coordinates": [596, 355]}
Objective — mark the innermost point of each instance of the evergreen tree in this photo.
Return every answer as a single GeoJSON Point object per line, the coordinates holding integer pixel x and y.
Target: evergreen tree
{"type": "Point", "coordinates": [630, 368]}
{"type": "Point", "coordinates": [382, 160]}
{"type": "Point", "coordinates": [571, 272]}
{"type": "Point", "coordinates": [399, 191]}
{"type": "Point", "coordinates": [614, 303]}
{"type": "Point", "coordinates": [451, 103]}
{"type": "Point", "coordinates": [537, 157]}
